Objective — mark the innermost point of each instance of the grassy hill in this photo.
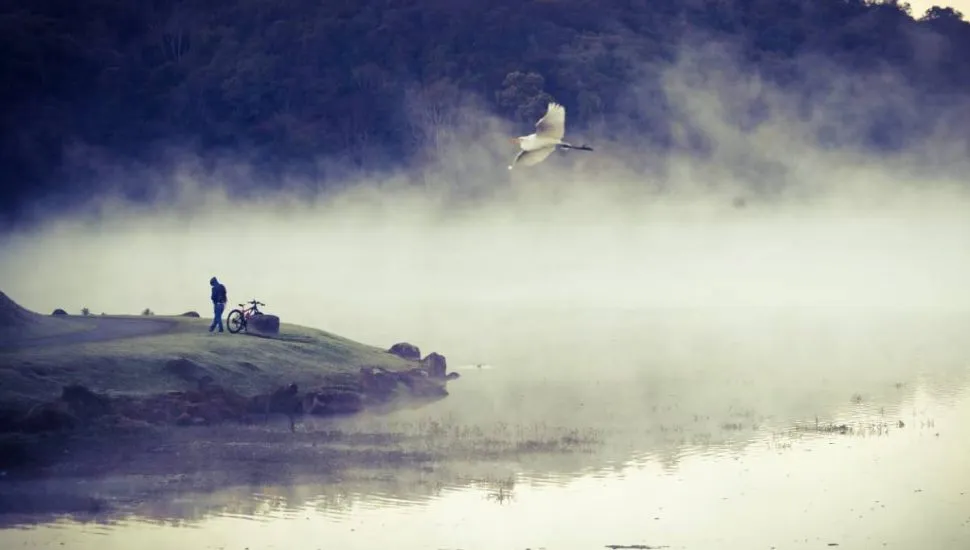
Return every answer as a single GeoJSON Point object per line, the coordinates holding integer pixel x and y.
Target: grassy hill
{"type": "Point", "coordinates": [18, 324]}
{"type": "Point", "coordinates": [36, 363]}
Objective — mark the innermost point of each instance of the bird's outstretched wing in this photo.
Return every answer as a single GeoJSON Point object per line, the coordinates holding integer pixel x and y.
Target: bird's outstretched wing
{"type": "Point", "coordinates": [531, 158]}
{"type": "Point", "coordinates": [553, 124]}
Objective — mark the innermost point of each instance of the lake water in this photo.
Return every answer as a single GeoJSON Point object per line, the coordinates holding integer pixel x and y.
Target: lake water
{"type": "Point", "coordinates": [708, 431]}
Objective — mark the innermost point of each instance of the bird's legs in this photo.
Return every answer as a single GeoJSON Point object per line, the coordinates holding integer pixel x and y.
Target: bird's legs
{"type": "Point", "coordinates": [566, 145]}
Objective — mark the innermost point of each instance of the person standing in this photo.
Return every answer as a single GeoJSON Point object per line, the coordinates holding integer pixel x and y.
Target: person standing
{"type": "Point", "coordinates": [219, 300]}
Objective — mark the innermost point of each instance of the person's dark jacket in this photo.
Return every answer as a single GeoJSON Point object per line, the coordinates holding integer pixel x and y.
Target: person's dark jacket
{"type": "Point", "coordinates": [219, 293]}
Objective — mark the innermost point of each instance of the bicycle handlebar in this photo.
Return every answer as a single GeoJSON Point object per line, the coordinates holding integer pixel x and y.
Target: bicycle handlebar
{"type": "Point", "coordinates": [253, 302]}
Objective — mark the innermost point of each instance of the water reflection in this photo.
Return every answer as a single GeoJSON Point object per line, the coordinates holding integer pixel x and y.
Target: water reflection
{"type": "Point", "coordinates": [792, 489]}
{"type": "Point", "coordinates": [730, 443]}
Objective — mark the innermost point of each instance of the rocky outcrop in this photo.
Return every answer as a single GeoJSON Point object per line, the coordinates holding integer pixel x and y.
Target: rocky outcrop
{"type": "Point", "coordinates": [435, 365]}
{"type": "Point", "coordinates": [405, 350]}
{"type": "Point", "coordinates": [194, 314]}
{"type": "Point", "coordinates": [77, 405]}
{"type": "Point", "coordinates": [284, 400]}
{"type": "Point", "coordinates": [58, 311]}
{"type": "Point", "coordinates": [379, 383]}
{"type": "Point", "coordinates": [382, 385]}
{"type": "Point", "coordinates": [210, 403]}
{"type": "Point", "coordinates": [263, 324]}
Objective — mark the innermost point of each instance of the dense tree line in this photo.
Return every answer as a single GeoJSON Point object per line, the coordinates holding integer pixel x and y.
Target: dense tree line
{"type": "Point", "coordinates": [367, 81]}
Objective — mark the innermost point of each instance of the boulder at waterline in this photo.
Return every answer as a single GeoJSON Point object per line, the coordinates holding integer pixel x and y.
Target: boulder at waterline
{"type": "Point", "coordinates": [405, 350]}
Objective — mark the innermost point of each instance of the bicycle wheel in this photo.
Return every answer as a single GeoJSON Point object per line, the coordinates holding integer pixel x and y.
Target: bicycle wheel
{"type": "Point", "coordinates": [235, 321]}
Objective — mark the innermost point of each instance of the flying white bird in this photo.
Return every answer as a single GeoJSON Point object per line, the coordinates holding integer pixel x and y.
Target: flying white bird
{"type": "Point", "coordinates": [548, 136]}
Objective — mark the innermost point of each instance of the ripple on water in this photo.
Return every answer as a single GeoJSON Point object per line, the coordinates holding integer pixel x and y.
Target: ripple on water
{"type": "Point", "coordinates": [255, 516]}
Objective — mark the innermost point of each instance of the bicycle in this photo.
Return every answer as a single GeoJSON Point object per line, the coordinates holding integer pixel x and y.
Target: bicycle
{"type": "Point", "coordinates": [239, 318]}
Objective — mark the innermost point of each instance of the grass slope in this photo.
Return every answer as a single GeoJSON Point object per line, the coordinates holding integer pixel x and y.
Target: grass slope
{"type": "Point", "coordinates": [137, 365]}
{"type": "Point", "coordinates": [42, 328]}
{"type": "Point", "coordinates": [18, 323]}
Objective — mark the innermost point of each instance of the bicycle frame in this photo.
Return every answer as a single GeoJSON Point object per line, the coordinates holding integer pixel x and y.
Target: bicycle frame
{"type": "Point", "coordinates": [249, 311]}
{"type": "Point", "coordinates": [242, 315]}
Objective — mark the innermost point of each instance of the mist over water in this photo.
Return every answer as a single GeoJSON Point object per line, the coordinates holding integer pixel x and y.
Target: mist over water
{"type": "Point", "coordinates": [408, 270]}
{"type": "Point", "coordinates": [594, 308]}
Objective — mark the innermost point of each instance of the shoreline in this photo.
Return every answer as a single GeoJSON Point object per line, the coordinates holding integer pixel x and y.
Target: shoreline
{"type": "Point", "coordinates": [28, 432]}
{"type": "Point", "coordinates": [373, 389]}
{"type": "Point", "coordinates": [71, 381]}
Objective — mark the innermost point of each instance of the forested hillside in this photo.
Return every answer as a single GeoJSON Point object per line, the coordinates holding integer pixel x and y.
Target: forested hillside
{"type": "Point", "coordinates": [366, 81]}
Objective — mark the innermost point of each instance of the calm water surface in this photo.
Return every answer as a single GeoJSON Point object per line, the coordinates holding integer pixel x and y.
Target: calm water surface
{"type": "Point", "coordinates": [705, 438]}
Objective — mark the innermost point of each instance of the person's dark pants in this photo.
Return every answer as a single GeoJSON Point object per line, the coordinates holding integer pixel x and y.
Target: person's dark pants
{"type": "Point", "coordinates": [217, 319]}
